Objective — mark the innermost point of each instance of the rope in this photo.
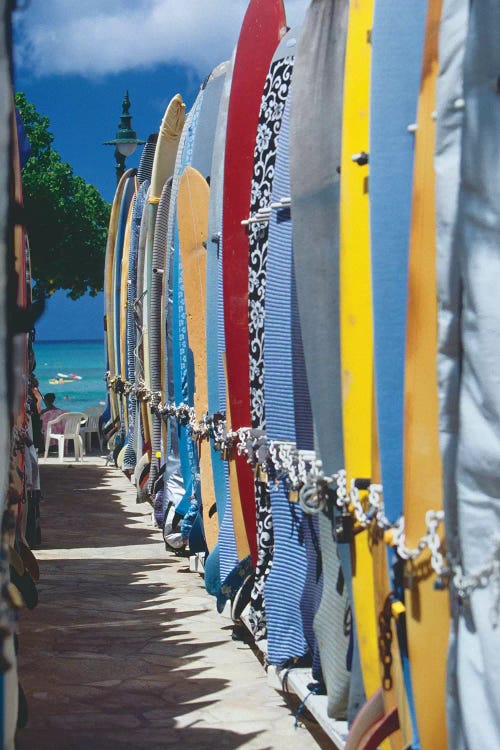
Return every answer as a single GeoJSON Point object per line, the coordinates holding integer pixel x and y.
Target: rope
{"type": "Point", "coordinates": [313, 691]}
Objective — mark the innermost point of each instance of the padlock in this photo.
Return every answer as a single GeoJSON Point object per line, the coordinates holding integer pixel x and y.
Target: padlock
{"type": "Point", "coordinates": [397, 608]}
{"type": "Point", "coordinates": [344, 528]}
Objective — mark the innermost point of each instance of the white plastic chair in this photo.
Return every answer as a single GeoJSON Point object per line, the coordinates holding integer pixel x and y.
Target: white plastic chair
{"type": "Point", "coordinates": [72, 421]}
{"type": "Point", "coordinates": [94, 414]}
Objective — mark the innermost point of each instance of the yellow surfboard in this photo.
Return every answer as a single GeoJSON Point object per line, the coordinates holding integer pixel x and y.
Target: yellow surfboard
{"type": "Point", "coordinates": [192, 219]}
{"type": "Point", "coordinates": [426, 609]}
{"type": "Point", "coordinates": [355, 316]}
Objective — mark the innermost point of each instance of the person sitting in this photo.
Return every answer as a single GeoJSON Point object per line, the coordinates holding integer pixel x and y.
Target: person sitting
{"type": "Point", "coordinates": [49, 401]}
{"type": "Point", "coordinates": [50, 412]}
{"type": "Point", "coordinates": [34, 402]}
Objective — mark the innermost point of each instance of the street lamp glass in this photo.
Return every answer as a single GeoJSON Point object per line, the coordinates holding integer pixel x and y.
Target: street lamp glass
{"type": "Point", "coordinates": [126, 149]}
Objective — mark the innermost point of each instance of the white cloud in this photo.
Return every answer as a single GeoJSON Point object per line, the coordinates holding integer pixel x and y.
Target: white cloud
{"type": "Point", "coordinates": [100, 37]}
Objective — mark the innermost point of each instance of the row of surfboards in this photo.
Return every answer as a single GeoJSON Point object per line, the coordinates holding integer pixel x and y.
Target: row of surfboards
{"type": "Point", "coordinates": [273, 305]}
{"type": "Point", "coordinates": [19, 476]}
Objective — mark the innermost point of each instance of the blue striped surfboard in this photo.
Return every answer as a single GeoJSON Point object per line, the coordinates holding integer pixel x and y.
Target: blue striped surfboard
{"type": "Point", "coordinates": [304, 438]}
{"type": "Point", "coordinates": [315, 145]}
{"type": "Point", "coordinates": [284, 586]}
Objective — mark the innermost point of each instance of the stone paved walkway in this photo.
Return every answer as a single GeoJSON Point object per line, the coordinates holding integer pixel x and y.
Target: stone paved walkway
{"type": "Point", "coordinates": [125, 650]}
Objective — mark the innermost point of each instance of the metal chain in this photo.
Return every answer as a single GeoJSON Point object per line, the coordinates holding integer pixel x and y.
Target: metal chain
{"type": "Point", "coordinates": [205, 427]}
{"type": "Point", "coordinates": [219, 430]}
{"type": "Point", "coordinates": [385, 643]}
{"type": "Point", "coordinates": [313, 499]}
{"type": "Point", "coordinates": [342, 497]}
{"type": "Point", "coordinates": [316, 485]}
{"type": "Point", "coordinates": [375, 501]}
{"type": "Point", "coordinates": [283, 458]}
{"type": "Point", "coordinates": [374, 508]}
{"type": "Point", "coordinates": [303, 472]}
{"type": "Point", "coordinates": [466, 584]}
{"type": "Point", "coordinates": [430, 540]}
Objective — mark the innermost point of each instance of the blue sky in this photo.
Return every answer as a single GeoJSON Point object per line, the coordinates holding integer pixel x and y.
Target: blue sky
{"type": "Point", "coordinates": [75, 60]}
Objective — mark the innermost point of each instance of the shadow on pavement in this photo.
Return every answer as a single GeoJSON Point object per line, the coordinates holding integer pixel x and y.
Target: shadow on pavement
{"type": "Point", "coordinates": [108, 660]}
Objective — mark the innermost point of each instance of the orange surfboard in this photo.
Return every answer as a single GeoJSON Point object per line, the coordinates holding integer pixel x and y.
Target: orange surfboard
{"type": "Point", "coordinates": [427, 611]}
{"type": "Point", "coordinates": [192, 219]}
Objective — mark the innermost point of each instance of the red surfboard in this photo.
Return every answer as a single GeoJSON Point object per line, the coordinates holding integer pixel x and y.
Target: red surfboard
{"type": "Point", "coordinates": [263, 27]}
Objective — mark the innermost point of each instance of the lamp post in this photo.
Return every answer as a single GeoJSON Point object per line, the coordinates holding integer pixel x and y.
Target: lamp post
{"type": "Point", "coordinates": [126, 140]}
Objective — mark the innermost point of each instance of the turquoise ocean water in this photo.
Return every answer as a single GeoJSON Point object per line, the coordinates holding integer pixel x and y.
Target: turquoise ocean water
{"type": "Point", "coordinates": [84, 358]}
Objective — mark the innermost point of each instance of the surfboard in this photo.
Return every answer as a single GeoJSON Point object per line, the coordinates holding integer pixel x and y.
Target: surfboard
{"type": "Point", "coordinates": [124, 288]}
{"type": "Point", "coordinates": [120, 253]}
{"type": "Point", "coordinates": [476, 469]}
{"type": "Point", "coordinates": [371, 713]}
{"type": "Point", "coordinates": [196, 152]}
{"type": "Point", "coordinates": [270, 117]}
{"type": "Point", "coordinates": [204, 137]}
{"type": "Point", "coordinates": [202, 161]}
{"type": "Point", "coordinates": [447, 162]}
{"type": "Point", "coordinates": [175, 436]}
{"type": "Point", "coordinates": [356, 342]}
{"type": "Point", "coordinates": [180, 360]}
{"type": "Point", "coordinates": [397, 46]}
{"type": "Point", "coordinates": [158, 322]}
{"type": "Point", "coordinates": [163, 168]}
{"type": "Point", "coordinates": [284, 585]}
{"type": "Point", "coordinates": [147, 158]}
{"type": "Point", "coordinates": [143, 177]}
{"type": "Point", "coordinates": [263, 27]}
{"type": "Point", "coordinates": [126, 199]}
{"type": "Point", "coordinates": [124, 307]}
{"type": "Point", "coordinates": [397, 43]}
{"type": "Point", "coordinates": [227, 552]}
{"type": "Point", "coordinates": [427, 614]}
{"type": "Point", "coordinates": [108, 286]}
{"type": "Point", "coordinates": [234, 552]}
{"type": "Point", "coordinates": [134, 422]}
{"type": "Point", "coordinates": [142, 441]}
{"type": "Point", "coordinates": [304, 437]}
{"type": "Point", "coordinates": [315, 145]}
{"type": "Point", "coordinates": [192, 217]}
